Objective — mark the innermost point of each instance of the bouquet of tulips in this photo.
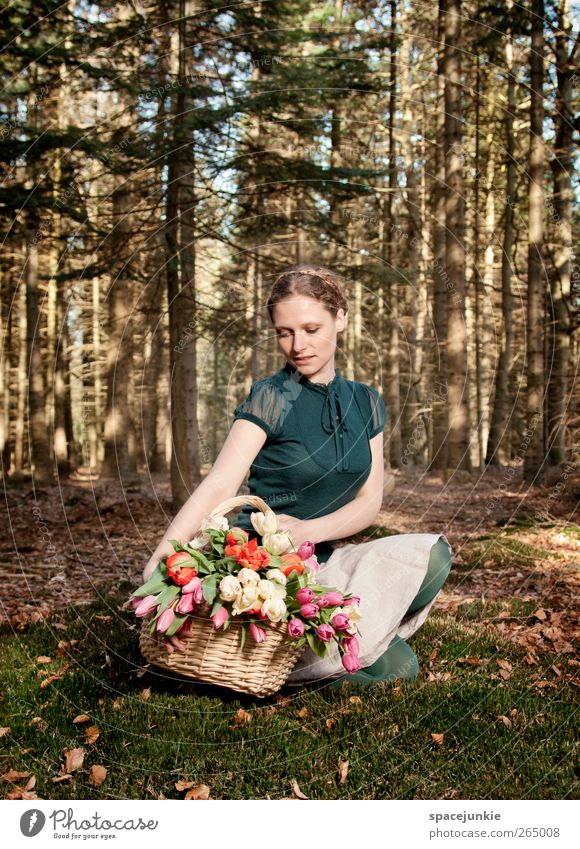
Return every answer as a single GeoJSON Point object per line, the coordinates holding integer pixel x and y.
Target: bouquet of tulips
{"type": "Point", "coordinates": [225, 571]}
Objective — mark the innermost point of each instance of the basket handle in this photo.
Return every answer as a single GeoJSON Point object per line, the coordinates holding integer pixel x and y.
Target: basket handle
{"type": "Point", "coordinates": [238, 501]}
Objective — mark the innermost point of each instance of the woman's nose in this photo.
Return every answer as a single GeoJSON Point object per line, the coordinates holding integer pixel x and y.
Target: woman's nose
{"type": "Point", "coordinates": [299, 343]}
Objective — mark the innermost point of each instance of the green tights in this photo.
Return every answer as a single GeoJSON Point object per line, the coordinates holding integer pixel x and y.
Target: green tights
{"type": "Point", "coordinates": [399, 660]}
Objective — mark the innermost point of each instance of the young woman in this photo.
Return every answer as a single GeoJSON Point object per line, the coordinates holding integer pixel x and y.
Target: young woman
{"type": "Point", "coordinates": [313, 444]}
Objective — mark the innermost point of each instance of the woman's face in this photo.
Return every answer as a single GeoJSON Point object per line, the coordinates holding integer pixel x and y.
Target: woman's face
{"type": "Point", "coordinates": [306, 331]}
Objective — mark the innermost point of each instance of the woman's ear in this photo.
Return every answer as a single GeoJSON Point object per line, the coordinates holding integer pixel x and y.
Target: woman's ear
{"type": "Point", "coordinates": [340, 319]}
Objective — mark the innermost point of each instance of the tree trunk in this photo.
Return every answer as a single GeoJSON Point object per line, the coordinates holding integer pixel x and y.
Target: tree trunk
{"type": "Point", "coordinates": [458, 450]}
{"type": "Point", "coordinates": [440, 403]}
{"type": "Point", "coordinates": [39, 443]}
{"type": "Point", "coordinates": [562, 169]}
{"type": "Point", "coordinates": [534, 454]}
{"type": "Point", "coordinates": [503, 367]}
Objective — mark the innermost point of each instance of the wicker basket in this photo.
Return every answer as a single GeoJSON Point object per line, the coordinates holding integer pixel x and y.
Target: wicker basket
{"type": "Point", "coordinates": [214, 656]}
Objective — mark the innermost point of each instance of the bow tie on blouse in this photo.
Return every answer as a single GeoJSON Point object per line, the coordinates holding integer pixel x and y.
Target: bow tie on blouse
{"type": "Point", "coordinates": [333, 418]}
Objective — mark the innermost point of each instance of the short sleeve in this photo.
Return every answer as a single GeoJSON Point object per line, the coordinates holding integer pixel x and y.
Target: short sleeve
{"type": "Point", "coordinates": [266, 406]}
{"type": "Point", "coordinates": [379, 415]}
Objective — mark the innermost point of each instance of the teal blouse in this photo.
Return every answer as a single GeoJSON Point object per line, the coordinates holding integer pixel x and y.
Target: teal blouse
{"type": "Point", "coordinates": [317, 454]}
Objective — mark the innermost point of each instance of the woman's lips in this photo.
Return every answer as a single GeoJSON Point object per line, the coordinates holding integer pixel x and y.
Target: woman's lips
{"type": "Point", "coordinates": [302, 359]}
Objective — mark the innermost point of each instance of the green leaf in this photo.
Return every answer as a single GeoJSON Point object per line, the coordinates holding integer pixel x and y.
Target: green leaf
{"type": "Point", "coordinates": [168, 595]}
{"type": "Point", "coordinates": [176, 624]}
{"type": "Point", "coordinates": [315, 644]}
{"type": "Point", "coordinates": [243, 637]}
{"type": "Point", "coordinates": [154, 584]}
{"type": "Point", "coordinates": [176, 544]}
{"type": "Point", "coordinates": [209, 587]}
{"type": "Point", "coordinates": [218, 604]}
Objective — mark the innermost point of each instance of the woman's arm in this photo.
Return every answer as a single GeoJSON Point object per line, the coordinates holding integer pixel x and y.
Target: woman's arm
{"type": "Point", "coordinates": [224, 479]}
{"type": "Point", "coordinates": [354, 516]}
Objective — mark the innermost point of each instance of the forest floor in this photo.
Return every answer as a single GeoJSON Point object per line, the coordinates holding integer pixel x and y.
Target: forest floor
{"type": "Point", "coordinates": [498, 657]}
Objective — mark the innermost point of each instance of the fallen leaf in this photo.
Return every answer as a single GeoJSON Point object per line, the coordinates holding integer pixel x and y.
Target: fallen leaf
{"type": "Point", "coordinates": [4, 732]}
{"type": "Point", "coordinates": [43, 659]}
{"type": "Point", "coordinates": [540, 614]}
{"type": "Point", "coordinates": [82, 717]}
{"type": "Point", "coordinates": [146, 694]}
{"type": "Point", "coordinates": [297, 791]}
{"type": "Point", "coordinates": [303, 713]}
{"type": "Point", "coordinates": [505, 664]}
{"type": "Point", "coordinates": [470, 661]}
{"type": "Point", "coordinates": [103, 618]}
{"type": "Point", "coordinates": [200, 791]}
{"type": "Point", "coordinates": [330, 723]}
{"type": "Point", "coordinates": [506, 721]}
{"type": "Point", "coordinates": [31, 783]}
{"type": "Point", "coordinates": [13, 775]}
{"type": "Point", "coordinates": [74, 759]}
{"type": "Point", "coordinates": [92, 734]}
{"type": "Point", "coordinates": [117, 704]}
{"type": "Point", "coordinates": [63, 776]}
{"type": "Point", "coordinates": [438, 738]}
{"type": "Point", "coordinates": [242, 717]}
{"type": "Point", "coordinates": [182, 785]}
{"type": "Point", "coordinates": [97, 776]}
{"type": "Point", "coordinates": [355, 700]}
{"type": "Point", "coordinates": [21, 793]}
{"type": "Point", "coordinates": [342, 771]}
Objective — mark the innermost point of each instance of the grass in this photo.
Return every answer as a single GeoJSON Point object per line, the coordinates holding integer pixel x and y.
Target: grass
{"type": "Point", "coordinates": [497, 550]}
{"type": "Point", "coordinates": [154, 731]}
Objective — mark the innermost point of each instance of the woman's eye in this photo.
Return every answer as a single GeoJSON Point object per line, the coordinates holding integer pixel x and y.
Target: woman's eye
{"type": "Point", "coordinates": [282, 335]}
{"type": "Point", "coordinates": [313, 330]}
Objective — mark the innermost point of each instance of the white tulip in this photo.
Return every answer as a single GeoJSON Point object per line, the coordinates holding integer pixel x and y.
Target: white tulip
{"type": "Point", "coordinates": [199, 541]}
{"type": "Point", "coordinates": [230, 588]}
{"type": "Point", "coordinates": [274, 608]}
{"type": "Point", "coordinates": [247, 600]}
{"type": "Point", "coordinates": [264, 523]}
{"type": "Point", "coordinates": [267, 589]}
{"type": "Point", "coordinates": [248, 576]}
{"type": "Point", "coordinates": [276, 575]}
{"type": "Point", "coordinates": [278, 543]}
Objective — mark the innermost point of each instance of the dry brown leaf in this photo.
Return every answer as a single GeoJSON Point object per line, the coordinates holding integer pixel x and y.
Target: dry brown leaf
{"type": "Point", "coordinates": [21, 793]}
{"type": "Point", "coordinates": [4, 731]}
{"type": "Point", "coordinates": [92, 734]}
{"type": "Point", "coordinates": [303, 713]}
{"type": "Point", "coordinates": [297, 791]}
{"type": "Point", "coordinates": [74, 759]}
{"type": "Point", "coordinates": [242, 717]}
{"type": "Point", "coordinates": [82, 717]}
{"type": "Point", "coordinates": [355, 700]}
{"type": "Point", "coordinates": [470, 661]}
{"type": "Point", "coordinates": [146, 694]}
{"type": "Point", "coordinates": [43, 659]}
{"type": "Point", "coordinates": [62, 776]}
{"type": "Point", "coordinates": [200, 791]}
{"type": "Point", "coordinates": [31, 783]}
{"type": "Point", "coordinates": [540, 614]}
{"type": "Point", "coordinates": [506, 721]}
{"type": "Point", "coordinates": [505, 664]}
{"type": "Point", "coordinates": [330, 723]}
{"type": "Point", "coordinates": [342, 771]}
{"type": "Point", "coordinates": [98, 775]}
{"type": "Point", "coordinates": [13, 775]}
{"type": "Point", "coordinates": [117, 704]}
{"type": "Point", "coordinates": [182, 785]}
{"type": "Point", "coordinates": [438, 738]}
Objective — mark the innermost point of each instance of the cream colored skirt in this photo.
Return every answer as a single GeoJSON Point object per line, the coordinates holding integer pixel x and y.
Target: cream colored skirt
{"type": "Point", "coordinates": [387, 574]}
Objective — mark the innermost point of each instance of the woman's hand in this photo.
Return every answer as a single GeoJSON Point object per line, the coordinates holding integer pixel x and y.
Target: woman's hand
{"type": "Point", "coordinates": [300, 529]}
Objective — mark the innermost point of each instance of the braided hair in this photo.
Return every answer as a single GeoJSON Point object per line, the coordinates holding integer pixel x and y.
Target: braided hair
{"type": "Point", "coordinates": [312, 280]}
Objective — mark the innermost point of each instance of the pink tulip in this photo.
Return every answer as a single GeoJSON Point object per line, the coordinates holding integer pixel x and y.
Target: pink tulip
{"type": "Point", "coordinates": [306, 550]}
{"type": "Point", "coordinates": [325, 633]}
{"type": "Point", "coordinates": [309, 611]}
{"type": "Point", "coordinates": [341, 622]}
{"type": "Point", "coordinates": [312, 563]}
{"type": "Point", "coordinates": [351, 645]}
{"type": "Point", "coordinates": [355, 599]}
{"type": "Point", "coordinates": [145, 605]}
{"type": "Point", "coordinates": [304, 595]}
{"type": "Point", "coordinates": [195, 587]}
{"type": "Point", "coordinates": [257, 633]}
{"type": "Point", "coordinates": [295, 627]}
{"type": "Point", "coordinates": [165, 620]}
{"type": "Point", "coordinates": [351, 662]}
{"type": "Point", "coordinates": [186, 603]}
{"type": "Point", "coordinates": [220, 617]}
{"type": "Point", "coordinates": [331, 599]}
